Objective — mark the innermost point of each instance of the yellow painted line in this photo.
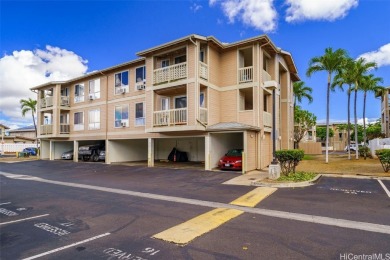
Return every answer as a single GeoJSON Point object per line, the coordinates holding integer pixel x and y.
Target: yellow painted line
{"type": "Point", "coordinates": [252, 198]}
{"type": "Point", "coordinates": [183, 233]}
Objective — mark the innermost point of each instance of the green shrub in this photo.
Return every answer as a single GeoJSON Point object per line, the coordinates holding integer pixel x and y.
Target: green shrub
{"type": "Point", "coordinates": [384, 158]}
{"type": "Point", "coordinates": [298, 177]}
{"type": "Point", "coordinates": [289, 159]}
{"type": "Point", "coordinates": [365, 151]}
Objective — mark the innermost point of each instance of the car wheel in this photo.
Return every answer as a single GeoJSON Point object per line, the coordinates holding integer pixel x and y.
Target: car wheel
{"type": "Point", "coordinates": [95, 157]}
{"type": "Point", "coordinates": [85, 158]}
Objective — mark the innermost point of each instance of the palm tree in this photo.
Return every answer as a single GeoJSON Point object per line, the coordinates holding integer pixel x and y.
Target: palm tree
{"type": "Point", "coordinates": [368, 84]}
{"type": "Point", "coordinates": [344, 76]}
{"type": "Point", "coordinates": [360, 68]}
{"type": "Point", "coordinates": [29, 105]}
{"type": "Point", "coordinates": [301, 91]}
{"type": "Point", "coordinates": [330, 62]}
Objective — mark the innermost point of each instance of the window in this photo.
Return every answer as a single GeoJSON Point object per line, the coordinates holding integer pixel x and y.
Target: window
{"type": "Point", "coordinates": [265, 102]}
{"type": "Point", "coordinates": [121, 115]}
{"type": "Point", "coordinates": [181, 102]}
{"type": "Point", "coordinates": [94, 119]}
{"type": "Point", "coordinates": [139, 114]}
{"type": "Point", "coordinates": [201, 55]}
{"type": "Point", "coordinates": [79, 93]}
{"type": "Point", "coordinates": [94, 88]}
{"type": "Point", "coordinates": [164, 103]}
{"type": "Point", "coordinates": [340, 136]}
{"type": "Point", "coordinates": [140, 74]}
{"type": "Point", "coordinates": [78, 121]}
{"type": "Point", "coordinates": [246, 98]}
{"type": "Point", "coordinates": [65, 92]}
{"type": "Point", "coordinates": [201, 100]}
{"type": "Point", "coordinates": [180, 59]}
{"type": "Point", "coordinates": [164, 63]}
{"type": "Point", "coordinates": [265, 62]}
{"type": "Point", "coordinates": [121, 82]}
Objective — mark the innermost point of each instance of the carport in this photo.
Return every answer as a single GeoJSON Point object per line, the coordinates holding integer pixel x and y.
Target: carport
{"type": "Point", "coordinates": [44, 149]}
{"type": "Point", "coordinates": [59, 147]}
{"type": "Point", "coordinates": [194, 147]}
{"type": "Point", "coordinates": [78, 143]}
{"type": "Point", "coordinates": [127, 150]}
{"type": "Point", "coordinates": [221, 143]}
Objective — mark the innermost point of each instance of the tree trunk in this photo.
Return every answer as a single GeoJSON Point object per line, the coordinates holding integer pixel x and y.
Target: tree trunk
{"type": "Point", "coordinates": [327, 118]}
{"type": "Point", "coordinates": [364, 123]}
{"type": "Point", "coordinates": [349, 123]}
{"type": "Point", "coordinates": [355, 114]}
{"type": "Point", "coordinates": [35, 126]}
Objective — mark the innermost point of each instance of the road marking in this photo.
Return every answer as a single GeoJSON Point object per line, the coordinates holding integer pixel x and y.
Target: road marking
{"type": "Point", "coordinates": [65, 247]}
{"type": "Point", "coordinates": [7, 212]}
{"type": "Point", "coordinates": [252, 198]}
{"type": "Point", "coordinates": [365, 226]}
{"type": "Point", "coordinates": [5, 203]}
{"type": "Point", "coordinates": [19, 220]}
{"type": "Point", "coordinates": [52, 229]}
{"type": "Point", "coordinates": [384, 187]}
{"type": "Point", "coordinates": [183, 233]}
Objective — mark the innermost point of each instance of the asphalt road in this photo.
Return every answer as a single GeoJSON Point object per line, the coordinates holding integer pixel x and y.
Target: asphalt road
{"type": "Point", "coordinates": [85, 211]}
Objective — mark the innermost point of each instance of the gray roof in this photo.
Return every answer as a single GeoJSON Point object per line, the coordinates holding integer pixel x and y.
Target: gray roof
{"type": "Point", "coordinates": [231, 126]}
{"type": "Point", "coordinates": [23, 129]}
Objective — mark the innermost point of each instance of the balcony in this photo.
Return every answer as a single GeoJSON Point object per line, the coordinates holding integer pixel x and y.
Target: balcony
{"type": "Point", "coordinates": [46, 129]}
{"type": "Point", "coordinates": [203, 115]}
{"type": "Point", "coordinates": [64, 128]}
{"type": "Point", "coordinates": [46, 102]}
{"type": "Point", "coordinates": [170, 73]}
{"type": "Point", "coordinates": [203, 70]}
{"type": "Point", "coordinates": [245, 75]}
{"type": "Point", "coordinates": [267, 119]}
{"type": "Point", "coordinates": [170, 117]}
{"type": "Point", "coordinates": [64, 101]}
{"type": "Point", "coordinates": [266, 76]}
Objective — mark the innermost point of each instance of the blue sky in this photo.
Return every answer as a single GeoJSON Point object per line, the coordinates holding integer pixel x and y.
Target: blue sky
{"type": "Point", "coordinates": [52, 40]}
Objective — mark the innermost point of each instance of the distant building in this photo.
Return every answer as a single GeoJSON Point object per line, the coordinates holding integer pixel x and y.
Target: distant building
{"type": "Point", "coordinates": [385, 108]}
{"type": "Point", "coordinates": [8, 137]}
{"type": "Point", "coordinates": [27, 131]}
{"type": "Point", "coordinates": [340, 138]}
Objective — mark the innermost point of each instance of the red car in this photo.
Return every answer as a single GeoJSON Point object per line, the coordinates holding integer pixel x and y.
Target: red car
{"type": "Point", "coordinates": [231, 161]}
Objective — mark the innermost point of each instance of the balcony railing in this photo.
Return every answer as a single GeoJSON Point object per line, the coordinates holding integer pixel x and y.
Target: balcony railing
{"type": "Point", "coordinates": [203, 70]}
{"type": "Point", "coordinates": [46, 129]}
{"type": "Point", "coordinates": [170, 117]}
{"type": "Point", "coordinates": [245, 74]}
{"type": "Point", "coordinates": [170, 73]}
{"type": "Point", "coordinates": [266, 76]}
{"type": "Point", "coordinates": [46, 102]}
{"type": "Point", "coordinates": [64, 101]}
{"type": "Point", "coordinates": [267, 119]}
{"type": "Point", "coordinates": [64, 128]}
{"type": "Point", "coordinates": [203, 115]}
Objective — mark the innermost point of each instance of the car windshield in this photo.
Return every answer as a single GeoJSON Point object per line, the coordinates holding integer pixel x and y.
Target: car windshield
{"type": "Point", "coordinates": [234, 152]}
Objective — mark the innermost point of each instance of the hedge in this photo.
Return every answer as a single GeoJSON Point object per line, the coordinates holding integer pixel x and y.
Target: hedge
{"type": "Point", "coordinates": [289, 159]}
{"type": "Point", "coordinates": [384, 158]}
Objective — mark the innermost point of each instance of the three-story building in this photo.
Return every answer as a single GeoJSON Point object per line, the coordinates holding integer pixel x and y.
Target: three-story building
{"type": "Point", "coordinates": [195, 93]}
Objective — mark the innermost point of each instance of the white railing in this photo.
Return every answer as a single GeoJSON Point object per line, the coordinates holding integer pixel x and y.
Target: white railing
{"type": "Point", "coordinates": [11, 147]}
{"type": "Point", "coordinates": [245, 74]}
{"type": "Point", "coordinates": [64, 128]}
{"type": "Point", "coordinates": [170, 117]}
{"type": "Point", "coordinates": [203, 70]}
{"type": "Point", "coordinates": [170, 73]}
{"type": "Point", "coordinates": [46, 102]}
{"type": "Point", "coordinates": [266, 76]}
{"type": "Point", "coordinates": [64, 101]}
{"type": "Point", "coordinates": [267, 119]}
{"type": "Point", "coordinates": [46, 129]}
{"type": "Point", "coordinates": [203, 115]}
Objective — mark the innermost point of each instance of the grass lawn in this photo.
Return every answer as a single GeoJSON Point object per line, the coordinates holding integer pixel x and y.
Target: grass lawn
{"type": "Point", "coordinates": [339, 163]}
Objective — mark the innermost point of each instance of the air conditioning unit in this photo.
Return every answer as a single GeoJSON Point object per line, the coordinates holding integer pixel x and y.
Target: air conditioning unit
{"type": "Point", "coordinates": [91, 96]}
{"type": "Point", "coordinates": [123, 123]}
{"type": "Point", "coordinates": [122, 91]}
{"type": "Point", "coordinates": [140, 87]}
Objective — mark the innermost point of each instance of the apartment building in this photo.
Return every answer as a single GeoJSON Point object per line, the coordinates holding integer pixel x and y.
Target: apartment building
{"type": "Point", "coordinates": [195, 93]}
{"type": "Point", "coordinates": [340, 137]}
{"type": "Point", "coordinates": [385, 111]}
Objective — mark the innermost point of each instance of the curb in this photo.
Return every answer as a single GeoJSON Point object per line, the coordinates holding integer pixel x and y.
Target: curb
{"type": "Point", "coordinates": [287, 184]}
{"type": "Point", "coordinates": [367, 177]}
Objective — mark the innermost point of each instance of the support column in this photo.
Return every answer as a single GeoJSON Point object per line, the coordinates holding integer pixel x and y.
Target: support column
{"type": "Point", "coordinates": [207, 145]}
{"type": "Point", "coordinates": [150, 152]}
{"type": "Point", "coordinates": [75, 151]}
{"type": "Point", "coordinates": [51, 153]}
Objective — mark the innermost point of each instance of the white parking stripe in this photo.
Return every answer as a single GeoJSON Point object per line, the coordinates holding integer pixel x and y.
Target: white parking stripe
{"type": "Point", "coordinates": [5, 203]}
{"type": "Point", "coordinates": [65, 247]}
{"type": "Point", "coordinates": [20, 220]}
{"type": "Point", "coordinates": [384, 187]}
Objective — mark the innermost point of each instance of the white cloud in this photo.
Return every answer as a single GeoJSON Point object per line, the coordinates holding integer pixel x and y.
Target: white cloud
{"type": "Point", "coordinates": [195, 7]}
{"type": "Point", "coordinates": [25, 69]}
{"type": "Point", "coordinates": [259, 14]}
{"type": "Point", "coordinates": [330, 10]}
{"type": "Point", "coordinates": [381, 56]}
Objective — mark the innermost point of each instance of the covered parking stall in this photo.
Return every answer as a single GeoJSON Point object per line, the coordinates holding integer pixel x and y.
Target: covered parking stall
{"type": "Point", "coordinates": [223, 137]}
{"type": "Point", "coordinates": [78, 143]}
{"type": "Point", "coordinates": [127, 151]}
{"type": "Point", "coordinates": [58, 147]}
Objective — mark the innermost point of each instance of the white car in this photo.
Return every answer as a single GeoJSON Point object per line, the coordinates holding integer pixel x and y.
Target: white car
{"type": "Point", "coordinates": [352, 147]}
